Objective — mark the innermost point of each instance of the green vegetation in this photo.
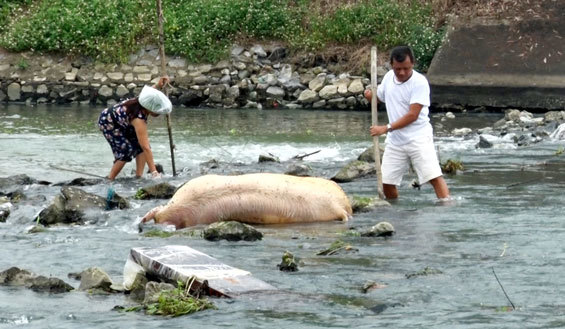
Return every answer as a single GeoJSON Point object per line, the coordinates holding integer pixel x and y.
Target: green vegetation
{"type": "Point", "coordinates": [177, 302]}
{"type": "Point", "coordinates": [335, 247]}
{"type": "Point", "coordinates": [140, 194]}
{"type": "Point", "coordinates": [203, 30]}
{"type": "Point", "coordinates": [451, 166]}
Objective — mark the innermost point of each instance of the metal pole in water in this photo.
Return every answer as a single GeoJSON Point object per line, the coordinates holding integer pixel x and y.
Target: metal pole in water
{"type": "Point", "coordinates": [163, 73]}
{"type": "Point", "coordinates": [375, 121]}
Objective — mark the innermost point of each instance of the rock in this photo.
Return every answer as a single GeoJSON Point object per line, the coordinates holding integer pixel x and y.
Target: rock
{"type": "Point", "coordinates": [69, 206]}
{"type": "Point", "coordinates": [308, 96]}
{"type": "Point", "coordinates": [16, 180]}
{"type": "Point", "coordinates": [365, 204]}
{"type": "Point", "coordinates": [299, 170]}
{"type": "Point", "coordinates": [483, 143]}
{"type": "Point", "coordinates": [381, 229]}
{"type": "Point", "coordinates": [105, 91]}
{"type": "Point", "coordinates": [369, 154]}
{"type": "Point", "coordinates": [36, 229]}
{"type": "Point", "coordinates": [18, 277]}
{"type": "Point", "coordinates": [72, 75]}
{"type": "Point", "coordinates": [461, 131]}
{"type": "Point", "coordinates": [277, 54]}
{"type": "Point", "coordinates": [225, 79]}
{"type": "Point", "coordinates": [319, 104]}
{"type": "Point", "coordinates": [5, 209]}
{"type": "Point", "coordinates": [153, 291]}
{"type": "Point", "coordinates": [121, 91]}
{"type": "Point", "coordinates": [353, 170]}
{"type": "Point", "coordinates": [268, 158]}
{"type": "Point", "coordinates": [231, 231]}
{"type": "Point", "coordinates": [95, 278]}
{"type": "Point", "coordinates": [14, 91]}
{"type": "Point", "coordinates": [81, 181]}
{"type": "Point", "coordinates": [268, 79]}
{"type": "Point", "coordinates": [328, 92]}
{"type": "Point", "coordinates": [305, 78]}
{"type": "Point", "coordinates": [157, 191]}
{"type": "Point", "coordinates": [356, 87]}
{"type": "Point", "coordinates": [275, 92]}
{"type": "Point", "coordinates": [512, 115]}
{"type": "Point", "coordinates": [15, 276]}
{"type": "Point", "coordinates": [500, 124]}
{"type": "Point", "coordinates": [204, 68]}
{"type": "Point", "coordinates": [318, 83]}
{"type": "Point", "coordinates": [259, 51]}
{"type": "Point", "coordinates": [342, 86]}
{"type": "Point", "coordinates": [236, 50]}
{"type": "Point", "coordinates": [115, 76]}
{"type": "Point", "coordinates": [51, 285]}
{"type": "Point", "coordinates": [177, 63]}
{"type": "Point", "coordinates": [526, 139]}
{"type": "Point", "coordinates": [351, 101]}
{"type": "Point", "coordinates": [56, 213]}
{"type": "Point", "coordinates": [288, 263]}
{"type": "Point", "coordinates": [216, 93]}
{"type": "Point", "coordinates": [554, 116]}
{"type": "Point", "coordinates": [42, 89]}
{"type": "Point", "coordinates": [137, 285]}
{"type": "Point", "coordinates": [337, 102]}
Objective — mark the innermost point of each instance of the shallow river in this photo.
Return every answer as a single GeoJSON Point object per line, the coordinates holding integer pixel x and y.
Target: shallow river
{"type": "Point", "coordinates": [507, 216]}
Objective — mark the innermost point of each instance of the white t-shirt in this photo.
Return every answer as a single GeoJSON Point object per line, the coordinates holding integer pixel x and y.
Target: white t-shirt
{"type": "Point", "coordinates": [398, 97]}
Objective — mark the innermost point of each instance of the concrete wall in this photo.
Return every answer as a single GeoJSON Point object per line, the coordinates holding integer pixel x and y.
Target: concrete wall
{"type": "Point", "coordinates": [503, 63]}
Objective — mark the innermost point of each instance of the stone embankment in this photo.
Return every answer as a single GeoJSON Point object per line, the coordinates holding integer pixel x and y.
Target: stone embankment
{"type": "Point", "coordinates": [255, 78]}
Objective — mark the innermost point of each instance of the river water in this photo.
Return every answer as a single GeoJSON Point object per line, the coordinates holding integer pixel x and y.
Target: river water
{"type": "Point", "coordinates": [507, 216]}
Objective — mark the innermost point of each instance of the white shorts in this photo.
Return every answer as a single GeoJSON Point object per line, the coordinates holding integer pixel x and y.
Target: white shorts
{"type": "Point", "coordinates": [421, 153]}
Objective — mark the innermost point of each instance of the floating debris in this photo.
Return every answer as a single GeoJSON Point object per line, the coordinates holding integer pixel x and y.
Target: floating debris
{"type": "Point", "coordinates": [175, 263]}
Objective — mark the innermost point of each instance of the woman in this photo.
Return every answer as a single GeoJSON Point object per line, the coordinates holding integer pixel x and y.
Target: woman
{"type": "Point", "coordinates": [125, 127]}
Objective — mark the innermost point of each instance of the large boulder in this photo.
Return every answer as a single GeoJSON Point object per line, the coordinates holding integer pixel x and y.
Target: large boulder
{"type": "Point", "coordinates": [69, 206]}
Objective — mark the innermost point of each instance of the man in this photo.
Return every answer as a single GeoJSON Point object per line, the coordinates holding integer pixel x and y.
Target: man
{"type": "Point", "coordinates": [406, 94]}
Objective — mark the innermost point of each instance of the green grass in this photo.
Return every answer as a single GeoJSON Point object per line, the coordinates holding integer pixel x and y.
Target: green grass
{"type": "Point", "coordinates": [204, 30]}
{"type": "Point", "coordinates": [178, 302]}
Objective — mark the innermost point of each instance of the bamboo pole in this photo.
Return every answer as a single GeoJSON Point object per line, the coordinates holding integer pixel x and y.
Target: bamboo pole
{"type": "Point", "coordinates": [164, 73]}
{"type": "Point", "coordinates": [375, 121]}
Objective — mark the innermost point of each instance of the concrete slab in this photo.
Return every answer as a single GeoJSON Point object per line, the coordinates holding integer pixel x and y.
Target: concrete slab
{"type": "Point", "coordinates": [517, 64]}
{"type": "Point", "coordinates": [177, 262]}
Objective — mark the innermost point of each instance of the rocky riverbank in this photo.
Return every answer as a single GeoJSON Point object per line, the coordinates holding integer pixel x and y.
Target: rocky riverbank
{"type": "Point", "coordinates": [258, 77]}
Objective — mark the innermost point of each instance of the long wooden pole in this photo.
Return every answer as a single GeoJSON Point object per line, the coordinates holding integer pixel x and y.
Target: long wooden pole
{"type": "Point", "coordinates": [375, 121]}
{"type": "Point", "coordinates": [164, 73]}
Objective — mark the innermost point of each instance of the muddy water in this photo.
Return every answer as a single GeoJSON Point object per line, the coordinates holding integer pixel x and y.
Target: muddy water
{"type": "Point", "coordinates": [507, 216]}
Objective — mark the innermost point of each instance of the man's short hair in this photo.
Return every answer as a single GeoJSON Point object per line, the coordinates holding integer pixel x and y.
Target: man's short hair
{"type": "Point", "coordinates": [400, 53]}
